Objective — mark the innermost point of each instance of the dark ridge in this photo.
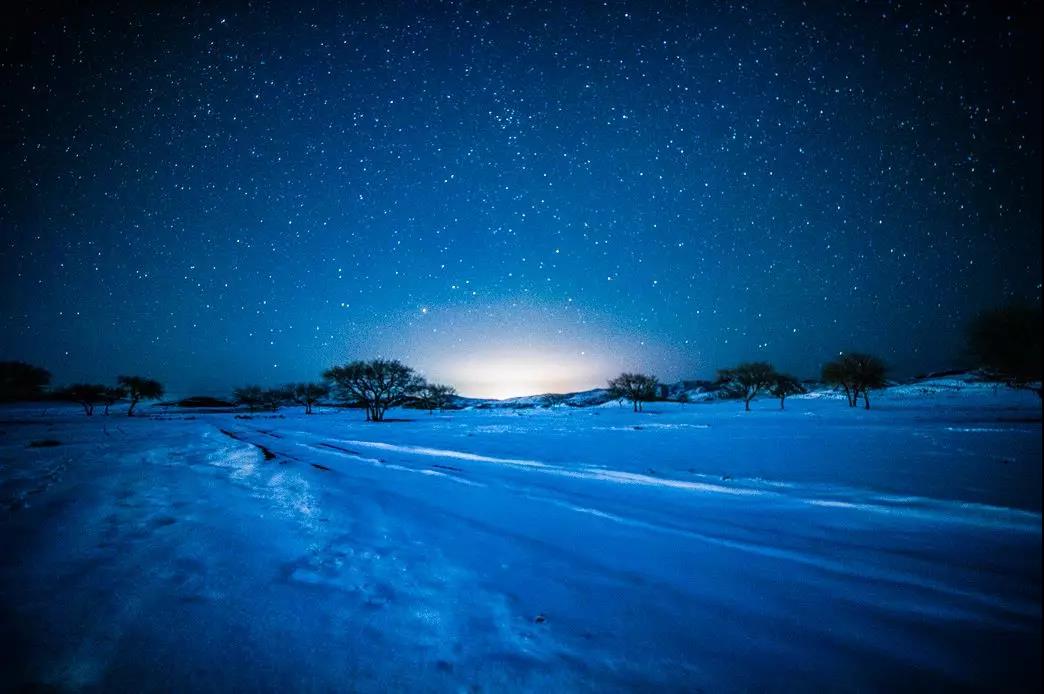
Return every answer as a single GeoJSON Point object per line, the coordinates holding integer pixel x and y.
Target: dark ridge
{"type": "Point", "coordinates": [320, 467]}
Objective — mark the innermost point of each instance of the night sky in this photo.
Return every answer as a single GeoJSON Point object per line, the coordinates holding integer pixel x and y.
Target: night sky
{"type": "Point", "coordinates": [512, 197]}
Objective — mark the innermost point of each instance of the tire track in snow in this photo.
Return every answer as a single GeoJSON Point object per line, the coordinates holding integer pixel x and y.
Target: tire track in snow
{"type": "Point", "coordinates": [1017, 608]}
{"type": "Point", "coordinates": [289, 491]}
{"type": "Point", "coordinates": [914, 507]}
{"type": "Point", "coordinates": [1018, 519]}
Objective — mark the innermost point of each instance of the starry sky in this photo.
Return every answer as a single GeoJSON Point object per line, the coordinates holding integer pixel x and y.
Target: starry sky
{"type": "Point", "coordinates": [512, 197]}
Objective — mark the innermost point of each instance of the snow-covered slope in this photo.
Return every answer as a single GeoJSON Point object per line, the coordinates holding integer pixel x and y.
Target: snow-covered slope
{"type": "Point", "coordinates": [586, 398]}
{"type": "Point", "coordinates": [955, 384]}
{"type": "Point", "coordinates": [690, 547]}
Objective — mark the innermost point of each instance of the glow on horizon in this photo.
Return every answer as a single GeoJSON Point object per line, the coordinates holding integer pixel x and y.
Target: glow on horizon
{"type": "Point", "coordinates": [507, 375]}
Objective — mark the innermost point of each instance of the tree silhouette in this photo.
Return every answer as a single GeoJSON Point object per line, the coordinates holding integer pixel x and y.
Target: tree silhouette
{"type": "Point", "coordinates": [251, 396]}
{"type": "Point", "coordinates": [87, 395]}
{"type": "Point", "coordinates": [111, 396]}
{"type": "Point", "coordinates": [634, 387]}
{"type": "Point", "coordinates": [1006, 343]}
{"type": "Point", "coordinates": [307, 394]}
{"type": "Point", "coordinates": [435, 396]}
{"type": "Point", "coordinates": [748, 379]}
{"type": "Point", "coordinates": [274, 398]}
{"type": "Point", "coordinates": [835, 374]}
{"type": "Point", "coordinates": [857, 374]}
{"type": "Point", "coordinates": [21, 381]}
{"type": "Point", "coordinates": [139, 388]}
{"type": "Point", "coordinates": [377, 385]}
{"type": "Point", "coordinates": [785, 385]}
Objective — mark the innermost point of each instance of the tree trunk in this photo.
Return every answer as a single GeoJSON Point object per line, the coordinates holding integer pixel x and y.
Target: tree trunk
{"type": "Point", "coordinates": [635, 405]}
{"type": "Point", "coordinates": [866, 399]}
{"type": "Point", "coordinates": [781, 403]}
{"type": "Point", "coordinates": [130, 410]}
{"type": "Point", "coordinates": [746, 404]}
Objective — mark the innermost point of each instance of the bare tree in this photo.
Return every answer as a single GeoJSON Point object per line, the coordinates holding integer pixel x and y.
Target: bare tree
{"type": "Point", "coordinates": [634, 387]}
{"type": "Point", "coordinates": [307, 394]}
{"type": "Point", "coordinates": [274, 398]}
{"type": "Point", "coordinates": [87, 395]}
{"type": "Point", "coordinates": [834, 373]}
{"type": "Point", "coordinates": [251, 396]}
{"type": "Point", "coordinates": [376, 385]}
{"type": "Point", "coordinates": [785, 385]}
{"type": "Point", "coordinates": [111, 396]}
{"type": "Point", "coordinates": [139, 388]}
{"type": "Point", "coordinates": [435, 396]}
{"type": "Point", "coordinates": [857, 374]}
{"type": "Point", "coordinates": [748, 379]}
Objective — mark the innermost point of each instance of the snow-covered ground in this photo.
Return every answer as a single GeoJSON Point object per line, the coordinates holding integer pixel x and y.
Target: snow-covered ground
{"type": "Point", "coordinates": [690, 547]}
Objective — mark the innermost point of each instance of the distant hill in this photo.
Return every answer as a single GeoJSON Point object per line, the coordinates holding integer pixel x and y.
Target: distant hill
{"type": "Point", "coordinates": [197, 401]}
{"type": "Point", "coordinates": [696, 391]}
